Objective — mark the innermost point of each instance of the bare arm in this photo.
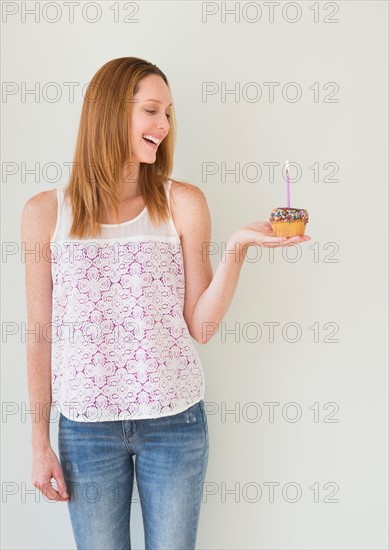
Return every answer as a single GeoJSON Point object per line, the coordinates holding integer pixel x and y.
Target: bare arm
{"type": "Point", "coordinates": [37, 218]}
{"type": "Point", "coordinates": [216, 299]}
{"type": "Point", "coordinates": [36, 258]}
{"type": "Point", "coordinates": [208, 297]}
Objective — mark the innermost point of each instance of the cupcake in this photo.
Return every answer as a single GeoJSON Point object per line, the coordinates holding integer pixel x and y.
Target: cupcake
{"type": "Point", "coordinates": [288, 222]}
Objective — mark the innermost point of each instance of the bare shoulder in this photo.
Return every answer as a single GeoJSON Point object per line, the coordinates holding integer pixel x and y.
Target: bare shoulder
{"type": "Point", "coordinates": [39, 215]}
{"type": "Point", "coordinates": [36, 221]}
{"type": "Point", "coordinates": [194, 220]}
{"type": "Point", "coordinates": [182, 190]}
{"type": "Point", "coordinates": [188, 203]}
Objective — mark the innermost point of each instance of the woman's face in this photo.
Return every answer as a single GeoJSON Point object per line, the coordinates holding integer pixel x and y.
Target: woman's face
{"type": "Point", "coordinates": [149, 117]}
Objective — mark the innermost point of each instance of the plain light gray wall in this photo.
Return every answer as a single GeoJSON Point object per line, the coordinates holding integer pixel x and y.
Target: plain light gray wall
{"type": "Point", "coordinates": [335, 293]}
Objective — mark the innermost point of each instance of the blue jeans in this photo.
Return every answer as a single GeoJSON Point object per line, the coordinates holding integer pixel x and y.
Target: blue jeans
{"type": "Point", "coordinates": [171, 457]}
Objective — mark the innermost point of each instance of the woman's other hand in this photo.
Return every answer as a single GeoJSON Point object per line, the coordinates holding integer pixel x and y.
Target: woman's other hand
{"type": "Point", "coordinates": [45, 467]}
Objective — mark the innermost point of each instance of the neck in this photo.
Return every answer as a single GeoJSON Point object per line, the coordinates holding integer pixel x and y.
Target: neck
{"type": "Point", "coordinates": [129, 182]}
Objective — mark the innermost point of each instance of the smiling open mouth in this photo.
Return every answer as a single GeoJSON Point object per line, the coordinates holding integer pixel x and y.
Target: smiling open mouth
{"type": "Point", "coordinates": [150, 143]}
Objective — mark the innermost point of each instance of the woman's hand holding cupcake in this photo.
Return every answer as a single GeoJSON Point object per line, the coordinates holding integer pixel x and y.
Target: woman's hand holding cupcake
{"type": "Point", "coordinates": [261, 234]}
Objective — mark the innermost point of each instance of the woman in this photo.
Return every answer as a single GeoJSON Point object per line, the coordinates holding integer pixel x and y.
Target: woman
{"type": "Point", "coordinates": [121, 279]}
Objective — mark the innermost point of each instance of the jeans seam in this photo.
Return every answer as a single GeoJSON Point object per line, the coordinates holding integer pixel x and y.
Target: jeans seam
{"type": "Point", "coordinates": [125, 440]}
{"type": "Point", "coordinates": [203, 415]}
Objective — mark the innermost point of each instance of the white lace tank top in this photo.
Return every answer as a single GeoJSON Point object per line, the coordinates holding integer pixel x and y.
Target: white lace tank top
{"type": "Point", "coordinates": [121, 349]}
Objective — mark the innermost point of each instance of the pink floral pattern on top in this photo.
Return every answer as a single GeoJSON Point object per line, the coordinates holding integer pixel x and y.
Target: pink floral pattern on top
{"type": "Point", "coordinates": [121, 348]}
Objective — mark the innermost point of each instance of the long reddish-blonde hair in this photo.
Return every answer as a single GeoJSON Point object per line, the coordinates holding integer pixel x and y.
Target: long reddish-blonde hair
{"type": "Point", "coordinates": [103, 148]}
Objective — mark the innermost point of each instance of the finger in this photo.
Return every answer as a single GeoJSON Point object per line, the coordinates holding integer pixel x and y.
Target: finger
{"type": "Point", "coordinates": [268, 229]}
{"type": "Point", "coordinates": [271, 244]}
{"type": "Point", "coordinates": [61, 485]}
{"type": "Point", "coordinates": [48, 491]}
{"type": "Point", "coordinates": [302, 239]}
{"type": "Point", "coordinates": [292, 241]}
{"type": "Point", "coordinates": [262, 226]}
{"type": "Point", "coordinates": [52, 494]}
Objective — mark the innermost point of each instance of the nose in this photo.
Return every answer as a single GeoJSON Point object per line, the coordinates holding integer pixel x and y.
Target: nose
{"type": "Point", "coordinates": [163, 123]}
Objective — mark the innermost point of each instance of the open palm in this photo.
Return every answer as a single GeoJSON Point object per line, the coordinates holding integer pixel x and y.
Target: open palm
{"type": "Point", "coordinates": [261, 234]}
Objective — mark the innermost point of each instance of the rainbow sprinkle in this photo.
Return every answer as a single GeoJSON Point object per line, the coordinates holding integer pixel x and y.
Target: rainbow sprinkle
{"type": "Point", "coordinates": [288, 215]}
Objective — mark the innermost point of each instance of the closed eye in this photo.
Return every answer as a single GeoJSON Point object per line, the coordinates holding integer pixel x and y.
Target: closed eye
{"type": "Point", "coordinates": [148, 111]}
